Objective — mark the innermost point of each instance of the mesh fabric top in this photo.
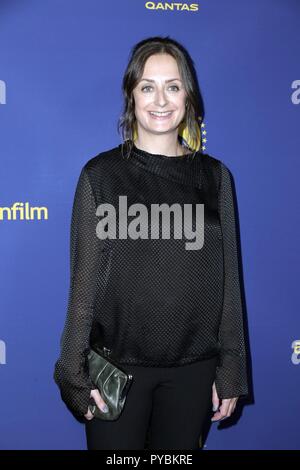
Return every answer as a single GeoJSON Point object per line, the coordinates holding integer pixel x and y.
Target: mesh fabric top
{"type": "Point", "coordinates": [152, 301]}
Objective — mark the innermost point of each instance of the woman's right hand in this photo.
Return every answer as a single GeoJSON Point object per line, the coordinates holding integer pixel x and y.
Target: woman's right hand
{"type": "Point", "coordinates": [95, 394]}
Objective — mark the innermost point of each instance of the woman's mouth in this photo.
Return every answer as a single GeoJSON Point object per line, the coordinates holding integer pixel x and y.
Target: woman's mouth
{"type": "Point", "coordinates": [160, 116]}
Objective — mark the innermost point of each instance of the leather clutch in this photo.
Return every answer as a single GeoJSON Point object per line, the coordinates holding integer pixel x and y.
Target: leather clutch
{"type": "Point", "coordinates": [112, 382]}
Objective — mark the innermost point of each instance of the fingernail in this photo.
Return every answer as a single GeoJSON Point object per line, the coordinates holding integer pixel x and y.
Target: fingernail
{"type": "Point", "coordinates": [105, 409]}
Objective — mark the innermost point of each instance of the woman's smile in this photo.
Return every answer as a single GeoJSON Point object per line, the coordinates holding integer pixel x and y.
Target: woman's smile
{"type": "Point", "coordinates": [160, 116]}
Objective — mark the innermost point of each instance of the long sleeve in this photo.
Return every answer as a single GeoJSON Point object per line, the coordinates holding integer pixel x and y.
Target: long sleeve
{"type": "Point", "coordinates": [71, 373]}
{"type": "Point", "coordinates": [231, 375]}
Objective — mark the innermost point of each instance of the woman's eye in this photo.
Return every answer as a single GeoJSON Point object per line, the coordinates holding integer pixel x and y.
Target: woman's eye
{"type": "Point", "coordinates": [172, 86]}
{"type": "Point", "coordinates": [144, 88]}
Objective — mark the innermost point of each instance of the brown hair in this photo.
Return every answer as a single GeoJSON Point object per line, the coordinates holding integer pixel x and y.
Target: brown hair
{"type": "Point", "coordinates": [133, 73]}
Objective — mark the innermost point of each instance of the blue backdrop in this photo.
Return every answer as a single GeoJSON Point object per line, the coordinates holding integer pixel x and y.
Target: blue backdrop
{"type": "Point", "coordinates": [61, 65]}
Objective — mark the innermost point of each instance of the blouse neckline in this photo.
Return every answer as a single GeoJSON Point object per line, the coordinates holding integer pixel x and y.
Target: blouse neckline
{"type": "Point", "coordinates": [178, 168]}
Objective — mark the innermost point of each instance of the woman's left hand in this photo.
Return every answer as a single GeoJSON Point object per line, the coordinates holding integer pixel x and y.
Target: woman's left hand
{"type": "Point", "coordinates": [227, 407]}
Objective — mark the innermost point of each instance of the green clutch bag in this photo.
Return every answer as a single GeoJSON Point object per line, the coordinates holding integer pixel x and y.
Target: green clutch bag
{"type": "Point", "coordinates": [112, 382]}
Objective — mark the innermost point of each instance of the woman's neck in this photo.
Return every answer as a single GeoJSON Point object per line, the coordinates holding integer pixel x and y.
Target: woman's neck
{"type": "Point", "coordinates": [180, 149]}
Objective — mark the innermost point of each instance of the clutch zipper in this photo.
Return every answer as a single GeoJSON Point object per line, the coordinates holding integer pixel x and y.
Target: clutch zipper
{"type": "Point", "coordinates": [107, 353]}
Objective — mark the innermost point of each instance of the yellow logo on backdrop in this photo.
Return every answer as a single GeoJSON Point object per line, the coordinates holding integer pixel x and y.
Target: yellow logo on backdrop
{"type": "Point", "coordinates": [172, 6]}
{"type": "Point", "coordinates": [21, 211]}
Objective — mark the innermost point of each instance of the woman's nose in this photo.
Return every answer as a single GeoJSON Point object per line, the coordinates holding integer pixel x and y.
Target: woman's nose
{"type": "Point", "coordinates": [160, 98]}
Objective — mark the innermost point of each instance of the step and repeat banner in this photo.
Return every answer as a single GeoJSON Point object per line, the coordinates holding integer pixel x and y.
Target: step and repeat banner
{"type": "Point", "coordinates": [61, 67]}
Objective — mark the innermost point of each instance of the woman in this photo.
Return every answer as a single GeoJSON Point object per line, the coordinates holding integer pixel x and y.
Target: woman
{"type": "Point", "coordinates": [168, 308]}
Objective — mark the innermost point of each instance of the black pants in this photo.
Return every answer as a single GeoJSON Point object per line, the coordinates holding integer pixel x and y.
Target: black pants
{"type": "Point", "coordinates": [173, 401]}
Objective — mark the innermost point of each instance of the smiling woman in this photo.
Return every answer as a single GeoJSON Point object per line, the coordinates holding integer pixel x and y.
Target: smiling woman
{"type": "Point", "coordinates": [172, 317]}
{"type": "Point", "coordinates": [161, 106]}
{"type": "Point", "coordinates": [160, 80]}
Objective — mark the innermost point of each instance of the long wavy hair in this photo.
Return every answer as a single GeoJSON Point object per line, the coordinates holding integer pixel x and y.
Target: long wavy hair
{"type": "Point", "coordinates": [194, 114]}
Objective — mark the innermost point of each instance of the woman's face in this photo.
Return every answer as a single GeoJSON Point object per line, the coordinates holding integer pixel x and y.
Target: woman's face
{"type": "Point", "coordinates": [160, 90]}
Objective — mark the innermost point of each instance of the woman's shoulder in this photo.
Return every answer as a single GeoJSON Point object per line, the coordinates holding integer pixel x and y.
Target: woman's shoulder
{"type": "Point", "coordinates": [100, 166]}
{"type": "Point", "coordinates": [211, 160]}
{"type": "Point", "coordinates": [212, 164]}
{"type": "Point", "coordinates": [103, 158]}
{"type": "Point", "coordinates": [216, 164]}
{"type": "Point", "coordinates": [217, 167]}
